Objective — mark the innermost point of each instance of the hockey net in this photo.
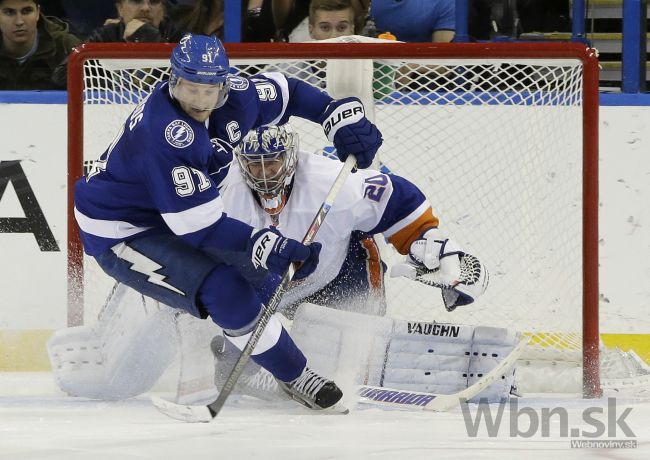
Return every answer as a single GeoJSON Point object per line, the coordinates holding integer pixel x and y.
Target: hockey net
{"type": "Point", "coordinates": [502, 138]}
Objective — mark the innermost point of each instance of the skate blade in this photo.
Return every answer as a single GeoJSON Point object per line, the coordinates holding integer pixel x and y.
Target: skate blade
{"type": "Point", "coordinates": [337, 408]}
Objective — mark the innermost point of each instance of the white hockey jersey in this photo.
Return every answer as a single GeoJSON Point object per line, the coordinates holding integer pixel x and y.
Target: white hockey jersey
{"type": "Point", "coordinates": [369, 201]}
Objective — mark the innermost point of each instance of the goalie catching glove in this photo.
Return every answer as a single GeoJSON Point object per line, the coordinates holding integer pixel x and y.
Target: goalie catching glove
{"type": "Point", "coordinates": [439, 261]}
{"type": "Point", "coordinates": [345, 124]}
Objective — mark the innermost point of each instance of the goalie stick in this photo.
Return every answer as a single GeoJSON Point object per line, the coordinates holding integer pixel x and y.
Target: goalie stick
{"type": "Point", "coordinates": [209, 412]}
{"type": "Point", "coordinates": [438, 402]}
{"type": "Point", "coordinates": [378, 396]}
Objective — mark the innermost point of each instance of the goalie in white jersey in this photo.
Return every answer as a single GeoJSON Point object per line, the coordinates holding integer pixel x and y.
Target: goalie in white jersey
{"type": "Point", "coordinates": [274, 184]}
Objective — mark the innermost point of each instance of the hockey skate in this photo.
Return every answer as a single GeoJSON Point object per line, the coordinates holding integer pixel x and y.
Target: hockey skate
{"type": "Point", "coordinates": [254, 381]}
{"type": "Point", "coordinates": [315, 392]}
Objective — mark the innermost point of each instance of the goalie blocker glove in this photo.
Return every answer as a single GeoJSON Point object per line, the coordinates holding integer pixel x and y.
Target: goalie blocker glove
{"type": "Point", "coordinates": [270, 250]}
{"type": "Point", "coordinates": [345, 124]}
{"type": "Point", "coordinates": [436, 260]}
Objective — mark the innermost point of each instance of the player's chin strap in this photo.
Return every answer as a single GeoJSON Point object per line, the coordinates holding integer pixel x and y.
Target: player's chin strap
{"type": "Point", "coordinates": [456, 291]}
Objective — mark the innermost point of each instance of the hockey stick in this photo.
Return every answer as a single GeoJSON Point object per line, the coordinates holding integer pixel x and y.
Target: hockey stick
{"type": "Point", "coordinates": [381, 396]}
{"type": "Point", "coordinates": [438, 402]}
{"type": "Point", "coordinates": [209, 412]}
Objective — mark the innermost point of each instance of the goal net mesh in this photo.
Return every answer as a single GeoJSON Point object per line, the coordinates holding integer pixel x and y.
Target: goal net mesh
{"type": "Point", "coordinates": [495, 144]}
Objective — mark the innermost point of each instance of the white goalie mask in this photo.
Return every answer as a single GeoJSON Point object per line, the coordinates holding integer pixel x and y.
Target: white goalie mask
{"type": "Point", "coordinates": [267, 158]}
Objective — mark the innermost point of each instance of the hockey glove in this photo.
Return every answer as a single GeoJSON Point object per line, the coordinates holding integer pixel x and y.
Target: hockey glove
{"type": "Point", "coordinates": [439, 261]}
{"type": "Point", "coordinates": [345, 124]}
{"type": "Point", "coordinates": [270, 250]}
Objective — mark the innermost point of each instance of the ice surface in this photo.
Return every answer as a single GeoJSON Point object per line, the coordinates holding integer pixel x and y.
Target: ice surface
{"type": "Point", "coordinates": [38, 422]}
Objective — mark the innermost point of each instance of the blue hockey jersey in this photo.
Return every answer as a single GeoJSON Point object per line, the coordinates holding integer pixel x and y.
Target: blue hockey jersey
{"type": "Point", "coordinates": [161, 172]}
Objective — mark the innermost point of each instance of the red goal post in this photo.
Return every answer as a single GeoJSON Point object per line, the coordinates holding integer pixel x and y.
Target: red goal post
{"type": "Point", "coordinates": [454, 59]}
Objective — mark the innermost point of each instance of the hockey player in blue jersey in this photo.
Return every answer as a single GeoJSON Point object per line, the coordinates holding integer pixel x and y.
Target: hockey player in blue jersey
{"type": "Point", "coordinates": [150, 212]}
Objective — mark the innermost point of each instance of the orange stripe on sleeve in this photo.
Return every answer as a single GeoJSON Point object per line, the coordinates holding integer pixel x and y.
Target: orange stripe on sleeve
{"type": "Point", "coordinates": [403, 238]}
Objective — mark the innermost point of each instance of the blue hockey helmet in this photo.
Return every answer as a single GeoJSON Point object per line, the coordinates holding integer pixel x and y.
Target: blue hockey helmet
{"type": "Point", "coordinates": [200, 60]}
{"type": "Point", "coordinates": [268, 157]}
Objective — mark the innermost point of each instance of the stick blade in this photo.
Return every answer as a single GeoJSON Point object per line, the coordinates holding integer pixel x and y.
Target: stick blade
{"type": "Point", "coordinates": [443, 403]}
{"type": "Point", "coordinates": [191, 414]}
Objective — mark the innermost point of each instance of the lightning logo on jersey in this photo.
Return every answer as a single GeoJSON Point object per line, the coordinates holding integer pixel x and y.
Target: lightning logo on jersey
{"type": "Point", "coordinates": [144, 265]}
{"type": "Point", "coordinates": [179, 134]}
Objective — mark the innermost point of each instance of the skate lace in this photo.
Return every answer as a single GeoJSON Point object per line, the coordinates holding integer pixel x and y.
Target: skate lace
{"type": "Point", "coordinates": [309, 383]}
{"type": "Point", "coordinates": [262, 380]}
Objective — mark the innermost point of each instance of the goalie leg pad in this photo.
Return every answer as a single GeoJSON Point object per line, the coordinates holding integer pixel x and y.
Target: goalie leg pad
{"type": "Point", "coordinates": [121, 356]}
{"type": "Point", "coordinates": [195, 384]}
{"type": "Point", "coordinates": [417, 356]}
{"type": "Point", "coordinates": [490, 345]}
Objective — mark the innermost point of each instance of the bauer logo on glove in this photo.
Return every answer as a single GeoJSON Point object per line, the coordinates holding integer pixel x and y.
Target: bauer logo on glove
{"type": "Point", "coordinates": [262, 248]}
{"type": "Point", "coordinates": [438, 261]}
{"type": "Point", "coordinates": [345, 124]}
{"type": "Point", "coordinates": [269, 249]}
{"type": "Point", "coordinates": [341, 115]}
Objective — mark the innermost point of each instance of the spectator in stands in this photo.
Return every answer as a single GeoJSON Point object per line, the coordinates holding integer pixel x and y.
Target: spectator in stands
{"type": "Point", "coordinates": [327, 19]}
{"type": "Point", "coordinates": [293, 18]}
{"type": "Point", "coordinates": [139, 21]}
{"type": "Point", "coordinates": [203, 17]}
{"type": "Point", "coordinates": [416, 21]}
{"type": "Point", "coordinates": [81, 19]}
{"type": "Point", "coordinates": [207, 17]}
{"type": "Point", "coordinates": [31, 46]}
{"type": "Point", "coordinates": [258, 22]}
{"type": "Point", "coordinates": [331, 19]}
{"type": "Point", "coordinates": [287, 16]}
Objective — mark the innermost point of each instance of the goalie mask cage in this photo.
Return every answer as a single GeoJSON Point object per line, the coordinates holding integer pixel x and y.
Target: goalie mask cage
{"type": "Point", "coordinates": [501, 137]}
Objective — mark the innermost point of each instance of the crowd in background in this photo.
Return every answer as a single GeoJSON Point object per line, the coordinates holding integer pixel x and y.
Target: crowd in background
{"type": "Point", "coordinates": [36, 36]}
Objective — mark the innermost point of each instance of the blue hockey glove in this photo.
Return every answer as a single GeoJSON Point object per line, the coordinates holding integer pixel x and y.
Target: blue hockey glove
{"type": "Point", "coordinates": [345, 124]}
{"type": "Point", "coordinates": [270, 250]}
